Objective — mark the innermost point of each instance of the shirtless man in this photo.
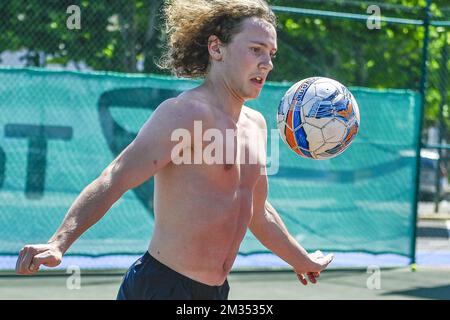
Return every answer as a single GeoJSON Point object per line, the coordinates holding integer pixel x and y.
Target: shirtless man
{"type": "Point", "coordinates": [202, 211]}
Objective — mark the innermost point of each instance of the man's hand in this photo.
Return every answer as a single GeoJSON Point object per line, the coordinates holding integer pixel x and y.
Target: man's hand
{"type": "Point", "coordinates": [31, 257]}
{"type": "Point", "coordinates": [318, 262]}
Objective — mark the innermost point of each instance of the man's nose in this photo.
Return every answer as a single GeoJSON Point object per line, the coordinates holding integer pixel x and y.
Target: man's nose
{"type": "Point", "coordinates": [267, 64]}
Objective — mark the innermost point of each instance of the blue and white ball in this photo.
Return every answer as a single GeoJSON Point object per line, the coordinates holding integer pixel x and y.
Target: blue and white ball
{"type": "Point", "coordinates": [318, 118]}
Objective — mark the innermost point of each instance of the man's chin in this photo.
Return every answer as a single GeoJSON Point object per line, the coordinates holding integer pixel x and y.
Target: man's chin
{"type": "Point", "coordinates": [253, 95]}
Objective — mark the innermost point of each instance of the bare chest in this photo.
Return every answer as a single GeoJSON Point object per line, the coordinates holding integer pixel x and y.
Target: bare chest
{"type": "Point", "coordinates": [224, 155]}
{"type": "Point", "coordinates": [236, 160]}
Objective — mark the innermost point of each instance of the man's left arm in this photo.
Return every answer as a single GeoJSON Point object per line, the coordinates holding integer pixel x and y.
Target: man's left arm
{"type": "Point", "coordinates": [271, 231]}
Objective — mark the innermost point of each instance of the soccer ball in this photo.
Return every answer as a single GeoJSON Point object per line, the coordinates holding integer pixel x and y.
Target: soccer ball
{"type": "Point", "coordinates": [318, 118]}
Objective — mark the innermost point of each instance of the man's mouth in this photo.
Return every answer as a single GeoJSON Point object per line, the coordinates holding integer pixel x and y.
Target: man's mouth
{"type": "Point", "coordinates": [258, 80]}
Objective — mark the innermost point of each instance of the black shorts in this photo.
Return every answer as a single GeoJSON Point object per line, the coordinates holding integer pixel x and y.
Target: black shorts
{"type": "Point", "coordinates": [149, 279]}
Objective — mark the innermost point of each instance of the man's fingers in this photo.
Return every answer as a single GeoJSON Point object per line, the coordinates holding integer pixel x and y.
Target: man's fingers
{"type": "Point", "coordinates": [32, 256]}
{"type": "Point", "coordinates": [302, 279]}
{"type": "Point", "coordinates": [26, 261]}
{"type": "Point", "coordinates": [311, 277]}
{"type": "Point", "coordinates": [45, 258]}
{"type": "Point", "coordinates": [33, 268]}
{"type": "Point", "coordinates": [19, 260]}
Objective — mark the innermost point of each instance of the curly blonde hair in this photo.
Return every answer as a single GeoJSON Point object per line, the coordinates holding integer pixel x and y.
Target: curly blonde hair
{"type": "Point", "coordinates": [189, 23]}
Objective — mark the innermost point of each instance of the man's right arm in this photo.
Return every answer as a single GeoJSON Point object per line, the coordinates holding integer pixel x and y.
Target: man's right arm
{"type": "Point", "coordinates": [139, 161]}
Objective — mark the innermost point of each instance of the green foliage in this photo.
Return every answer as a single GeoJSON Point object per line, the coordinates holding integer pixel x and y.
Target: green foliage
{"type": "Point", "coordinates": [113, 34]}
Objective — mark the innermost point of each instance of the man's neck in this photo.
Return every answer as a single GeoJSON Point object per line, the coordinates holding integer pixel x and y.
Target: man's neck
{"type": "Point", "coordinates": [224, 97]}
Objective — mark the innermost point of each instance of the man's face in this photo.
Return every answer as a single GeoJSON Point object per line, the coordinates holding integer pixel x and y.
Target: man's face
{"type": "Point", "coordinates": [247, 59]}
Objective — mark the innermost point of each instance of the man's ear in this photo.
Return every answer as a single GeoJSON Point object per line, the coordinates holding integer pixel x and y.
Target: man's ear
{"type": "Point", "coordinates": [215, 48]}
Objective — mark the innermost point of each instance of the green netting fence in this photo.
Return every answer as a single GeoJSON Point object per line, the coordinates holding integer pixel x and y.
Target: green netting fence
{"type": "Point", "coordinates": [59, 130]}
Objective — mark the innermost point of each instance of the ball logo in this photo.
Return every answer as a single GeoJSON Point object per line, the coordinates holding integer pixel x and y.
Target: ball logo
{"type": "Point", "coordinates": [347, 112]}
{"type": "Point", "coordinates": [351, 133]}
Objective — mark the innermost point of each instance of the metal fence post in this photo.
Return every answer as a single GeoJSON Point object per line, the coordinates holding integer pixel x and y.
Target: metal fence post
{"type": "Point", "coordinates": [443, 93]}
{"type": "Point", "coordinates": [423, 85]}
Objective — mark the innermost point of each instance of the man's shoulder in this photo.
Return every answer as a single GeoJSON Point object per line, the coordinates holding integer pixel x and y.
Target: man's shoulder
{"type": "Point", "coordinates": [186, 107]}
{"type": "Point", "coordinates": [255, 117]}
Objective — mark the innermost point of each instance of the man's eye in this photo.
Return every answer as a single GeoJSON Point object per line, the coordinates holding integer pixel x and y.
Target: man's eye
{"type": "Point", "coordinates": [256, 50]}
